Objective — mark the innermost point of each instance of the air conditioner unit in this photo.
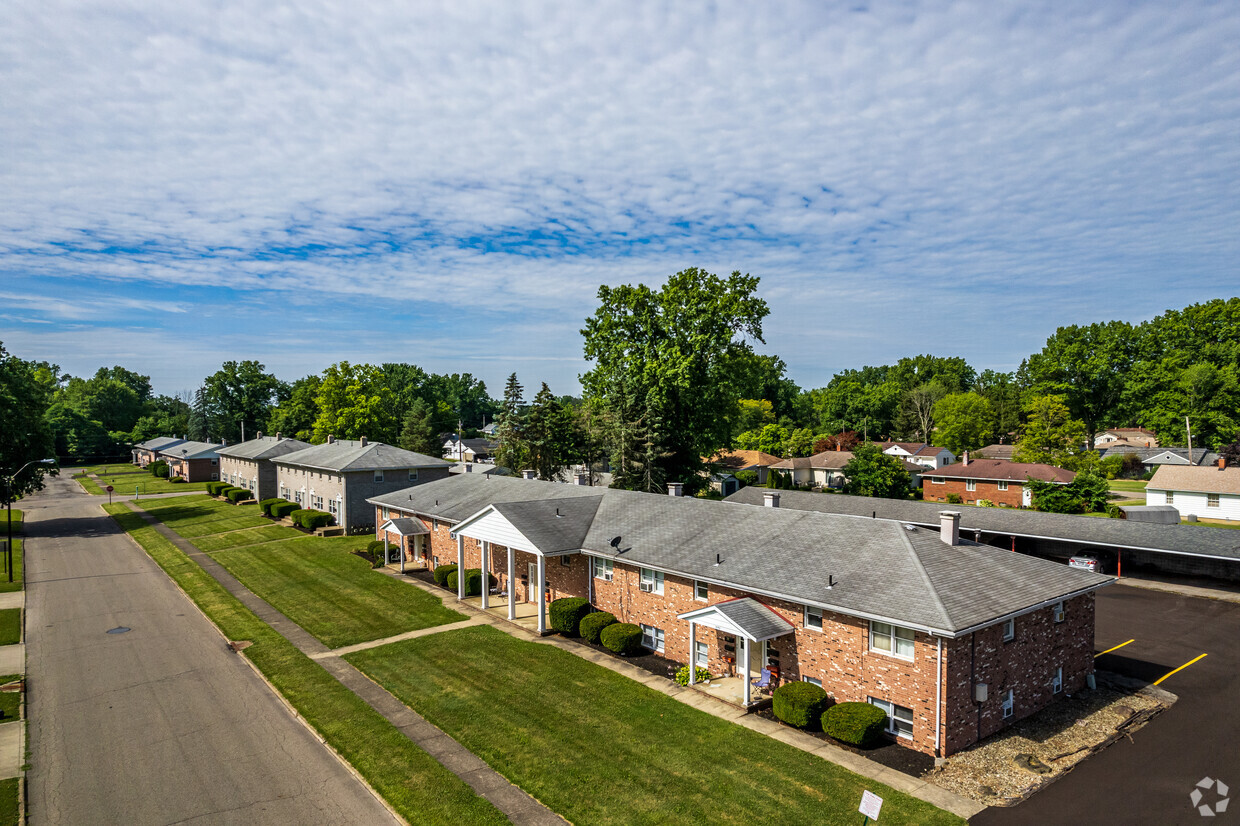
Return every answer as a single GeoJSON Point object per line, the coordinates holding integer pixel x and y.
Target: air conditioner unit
{"type": "Point", "coordinates": [607, 577]}
{"type": "Point", "coordinates": [647, 587]}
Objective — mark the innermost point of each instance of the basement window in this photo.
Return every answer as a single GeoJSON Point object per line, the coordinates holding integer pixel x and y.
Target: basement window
{"type": "Point", "coordinates": [1057, 681]}
{"type": "Point", "coordinates": [899, 718]}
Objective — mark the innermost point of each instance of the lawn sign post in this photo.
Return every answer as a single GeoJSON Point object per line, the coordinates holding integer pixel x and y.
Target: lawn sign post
{"type": "Point", "coordinates": [870, 806]}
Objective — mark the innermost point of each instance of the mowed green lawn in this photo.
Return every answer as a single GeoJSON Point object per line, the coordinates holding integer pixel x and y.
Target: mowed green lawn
{"type": "Point", "coordinates": [1133, 485]}
{"type": "Point", "coordinates": [600, 748]}
{"type": "Point", "coordinates": [16, 584]}
{"type": "Point", "coordinates": [317, 582]}
{"type": "Point", "coordinates": [146, 483]}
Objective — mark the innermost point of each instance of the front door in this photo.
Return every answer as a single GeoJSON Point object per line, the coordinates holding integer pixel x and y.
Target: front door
{"type": "Point", "coordinates": [757, 657]}
{"type": "Point", "coordinates": [1026, 497]}
{"type": "Point", "coordinates": [531, 593]}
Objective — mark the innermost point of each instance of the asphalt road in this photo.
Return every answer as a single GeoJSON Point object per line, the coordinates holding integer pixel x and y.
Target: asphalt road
{"type": "Point", "coordinates": [161, 724]}
{"type": "Point", "coordinates": [1149, 779]}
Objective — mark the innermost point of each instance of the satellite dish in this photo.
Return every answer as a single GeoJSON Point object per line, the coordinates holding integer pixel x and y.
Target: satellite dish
{"type": "Point", "coordinates": [615, 543]}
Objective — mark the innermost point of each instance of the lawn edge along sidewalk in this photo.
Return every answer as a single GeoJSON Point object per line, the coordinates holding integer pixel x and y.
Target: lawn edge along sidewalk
{"type": "Point", "coordinates": [514, 803]}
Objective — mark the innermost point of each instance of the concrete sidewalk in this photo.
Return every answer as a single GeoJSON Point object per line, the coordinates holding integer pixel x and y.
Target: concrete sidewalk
{"type": "Point", "coordinates": [912, 786]}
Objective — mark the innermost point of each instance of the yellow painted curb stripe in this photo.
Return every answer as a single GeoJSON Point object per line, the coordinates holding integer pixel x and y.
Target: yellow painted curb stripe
{"type": "Point", "coordinates": [1109, 650]}
{"type": "Point", "coordinates": [1181, 668]}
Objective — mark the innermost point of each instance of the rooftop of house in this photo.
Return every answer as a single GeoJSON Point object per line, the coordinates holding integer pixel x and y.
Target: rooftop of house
{"type": "Point", "coordinates": [159, 442]}
{"type": "Point", "coordinates": [263, 447]}
{"type": "Point", "coordinates": [739, 459]}
{"type": "Point", "coordinates": [1001, 470]}
{"type": "Point", "coordinates": [875, 569]}
{"type": "Point", "coordinates": [1196, 479]}
{"type": "Point", "coordinates": [353, 455]}
{"type": "Point", "coordinates": [913, 448]}
{"type": "Point", "coordinates": [996, 452]}
{"type": "Point", "coordinates": [191, 450]}
{"type": "Point", "coordinates": [827, 460]}
{"type": "Point", "coordinates": [1187, 540]}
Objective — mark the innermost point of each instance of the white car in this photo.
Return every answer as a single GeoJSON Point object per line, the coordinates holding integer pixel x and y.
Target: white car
{"type": "Point", "coordinates": [1086, 562]}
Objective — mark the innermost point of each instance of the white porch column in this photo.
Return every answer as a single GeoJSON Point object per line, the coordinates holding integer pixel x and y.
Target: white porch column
{"type": "Point", "coordinates": [400, 543]}
{"type": "Point", "coordinates": [692, 653]}
{"type": "Point", "coordinates": [460, 567]}
{"type": "Point", "coordinates": [512, 584]}
{"type": "Point", "coordinates": [542, 594]}
{"type": "Point", "coordinates": [485, 566]}
{"type": "Point", "coordinates": [745, 673]}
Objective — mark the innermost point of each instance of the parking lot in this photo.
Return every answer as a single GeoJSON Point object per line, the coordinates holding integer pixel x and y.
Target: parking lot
{"type": "Point", "coordinates": [1190, 647]}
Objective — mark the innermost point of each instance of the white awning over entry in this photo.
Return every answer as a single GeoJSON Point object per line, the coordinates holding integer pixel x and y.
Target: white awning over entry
{"type": "Point", "coordinates": [405, 526]}
{"type": "Point", "coordinates": [741, 617]}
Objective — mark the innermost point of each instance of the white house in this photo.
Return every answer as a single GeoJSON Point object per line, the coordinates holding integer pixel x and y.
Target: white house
{"type": "Point", "coordinates": [920, 453]}
{"type": "Point", "coordinates": [1211, 492]}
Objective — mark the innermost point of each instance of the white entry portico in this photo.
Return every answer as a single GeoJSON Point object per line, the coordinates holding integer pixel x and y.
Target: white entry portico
{"type": "Point", "coordinates": [751, 622]}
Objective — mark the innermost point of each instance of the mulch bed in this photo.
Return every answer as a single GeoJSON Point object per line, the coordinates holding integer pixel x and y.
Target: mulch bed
{"type": "Point", "coordinates": [890, 754]}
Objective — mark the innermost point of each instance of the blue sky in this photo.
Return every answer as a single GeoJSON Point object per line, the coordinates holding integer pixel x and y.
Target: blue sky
{"type": "Point", "coordinates": [448, 184]}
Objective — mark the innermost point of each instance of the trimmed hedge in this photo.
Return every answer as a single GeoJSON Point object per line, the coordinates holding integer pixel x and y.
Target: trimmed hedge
{"type": "Point", "coordinates": [283, 508]}
{"type": "Point", "coordinates": [311, 519]}
{"type": "Point", "coordinates": [379, 546]}
{"type": "Point", "coordinates": [239, 495]}
{"type": "Point", "coordinates": [592, 625]}
{"type": "Point", "coordinates": [442, 572]}
{"type": "Point", "coordinates": [213, 488]}
{"type": "Point", "coordinates": [473, 581]}
{"type": "Point", "coordinates": [177, 480]}
{"type": "Point", "coordinates": [567, 613]}
{"type": "Point", "coordinates": [858, 724]}
{"type": "Point", "coordinates": [265, 504]}
{"type": "Point", "coordinates": [623, 638]}
{"type": "Point", "coordinates": [799, 704]}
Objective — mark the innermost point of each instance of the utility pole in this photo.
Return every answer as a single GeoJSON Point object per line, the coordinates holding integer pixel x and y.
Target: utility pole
{"type": "Point", "coordinates": [1189, 430]}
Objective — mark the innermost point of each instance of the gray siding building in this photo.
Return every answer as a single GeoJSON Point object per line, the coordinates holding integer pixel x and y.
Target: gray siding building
{"type": "Point", "coordinates": [248, 464]}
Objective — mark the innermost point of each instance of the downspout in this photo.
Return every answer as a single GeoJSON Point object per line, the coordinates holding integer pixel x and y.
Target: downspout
{"type": "Point", "coordinates": [938, 699]}
{"type": "Point", "coordinates": [977, 735]}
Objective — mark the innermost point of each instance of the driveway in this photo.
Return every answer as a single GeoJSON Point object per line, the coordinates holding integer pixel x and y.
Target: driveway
{"type": "Point", "coordinates": [160, 724]}
{"type": "Point", "coordinates": [1149, 778]}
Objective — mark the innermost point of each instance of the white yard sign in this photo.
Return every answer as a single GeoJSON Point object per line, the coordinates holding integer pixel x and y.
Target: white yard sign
{"type": "Point", "coordinates": [870, 805]}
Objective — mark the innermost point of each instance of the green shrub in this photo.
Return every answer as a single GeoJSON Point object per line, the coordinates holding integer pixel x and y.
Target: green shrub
{"type": "Point", "coordinates": [747, 478]}
{"type": "Point", "coordinates": [213, 488]}
{"type": "Point", "coordinates": [473, 581]}
{"type": "Point", "coordinates": [682, 676]}
{"type": "Point", "coordinates": [985, 503]}
{"type": "Point", "coordinates": [311, 519]}
{"type": "Point", "coordinates": [1113, 511]}
{"type": "Point", "coordinates": [623, 638]}
{"type": "Point", "coordinates": [159, 468]}
{"type": "Point", "coordinates": [566, 614]}
{"type": "Point", "coordinates": [265, 505]}
{"type": "Point", "coordinates": [592, 625]}
{"type": "Point", "coordinates": [858, 724]}
{"type": "Point", "coordinates": [239, 495]}
{"type": "Point", "coordinates": [799, 704]}
{"type": "Point", "coordinates": [954, 499]}
{"type": "Point", "coordinates": [177, 480]}
{"type": "Point", "coordinates": [283, 508]}
{"type": "Point", "coordinates": [442, 572]}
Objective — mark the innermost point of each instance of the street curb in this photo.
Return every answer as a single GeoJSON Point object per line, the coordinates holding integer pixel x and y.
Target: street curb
{"type": "Point", "coordinates": [283, 700]}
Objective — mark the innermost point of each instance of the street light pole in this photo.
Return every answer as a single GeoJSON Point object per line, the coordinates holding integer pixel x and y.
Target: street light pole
{"type": "Point", "coordinates": [8, 497]}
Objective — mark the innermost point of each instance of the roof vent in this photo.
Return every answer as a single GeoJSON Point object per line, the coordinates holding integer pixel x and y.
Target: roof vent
{"type": "Point", "coordinates": [675, 488]}
{"type": "Point", "coordinates": [909, 528]}
{"type": "Point", "coordinates": [362, 441]}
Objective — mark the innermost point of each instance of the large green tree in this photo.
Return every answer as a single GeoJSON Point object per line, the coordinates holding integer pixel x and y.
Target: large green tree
{"type": "Point", "coordinates": [25, 435]}
{"type": "Point", "coordinates": [1051, 436]}
{"type": "Point", "coordinates": [240, 395]}
{"type": "Point", "coordinates": [513, 451]}
{"type": "Point", "coordinates": [418, 430]}
{"type": "Point", "coordinates": [354, 401]}
{"type": "Point", "coordinates": [295, 416]}
{"type": "Point", "coordinates": [1087, 366]}
{"type": "Point", "coordinates": [551, 435]}
{"type": "Point", "coordinates": [871, 472]}
{"type": "Point", "coordinates": [966, 421]}
{"type": "Point", "coordinates": [665, 359]}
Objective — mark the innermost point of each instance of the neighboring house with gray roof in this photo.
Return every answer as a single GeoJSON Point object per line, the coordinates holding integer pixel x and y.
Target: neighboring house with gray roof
{"type": "Point", "coordinates": [249, 464]}
{"type": "Point", "coordinates": [340, 475]}
{"type": "Point", "coordinates": [873, 610]}
{"type": "Point", "coordinates": [1211, 492]}
{"type": "Point", "coordinates": [919, 453]}
{"type": "Point", "coordinates": [146, 452]}
{"type": "Point", "coordinates": [822, 470]}
{"type": "Point", "coordinates": [192, 461]}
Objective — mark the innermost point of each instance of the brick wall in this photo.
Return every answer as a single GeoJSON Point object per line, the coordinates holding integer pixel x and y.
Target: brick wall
{"type": "Point", "coordinates": [353, 489]}
{"type": "Point", "coordinates": [1011, 497]}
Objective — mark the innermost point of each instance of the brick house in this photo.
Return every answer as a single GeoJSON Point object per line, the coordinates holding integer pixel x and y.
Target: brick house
{"type": "Point", "coordinates": [248, 464]}
{"type": "Point", "coordinates": [192, 461]}
{"type": "Point", "coordinates": [999, 481]}
{"type": "Point", "coordinates": [955, 640]}
{"type": "Point", "coordinates": [339, 476]}
{"type": "Point", "coordinates": [146, 452]}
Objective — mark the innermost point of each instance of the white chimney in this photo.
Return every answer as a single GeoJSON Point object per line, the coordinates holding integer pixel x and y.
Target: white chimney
{"type": "Point", "coordinates": [260, 434]}
{"type": "Point", "coordinates": [362, 441]}
{"type": "Point", "coordinates": [675, 489]}
{"type": "Point", "coordinates": [949, 527]}
{"type": "Point", "coordinates": [528, 474]}
{"type": "Point", "coordinates": [581, 479]}
{"type": "Point", "coordinates": [279, 436]}
{"type": "Point", "coordinates": [771, 500]}
{"type": "Point", "coordinates": [331, 440]}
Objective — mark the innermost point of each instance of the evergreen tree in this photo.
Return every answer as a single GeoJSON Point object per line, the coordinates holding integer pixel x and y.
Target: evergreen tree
{"type": "Point", "coordinates": [199, 417]}
{"type": "Point", "coordinates": [513, 451]}
{"type": "Point", "coordinates": [418, 430]}
{"type": "Point", "coordinates": [551, 435]}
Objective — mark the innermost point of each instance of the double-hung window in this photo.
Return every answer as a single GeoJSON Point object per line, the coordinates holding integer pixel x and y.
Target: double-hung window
{"type": "Point", "coordinates": [565, 562]}
{"type": "Point", "coordinates": [899, 718]}
{"type": "Point", "coordinates": [701, 654]}
{"type": "Point", "coordinates": [378, 476]}
{"type": "Point", "coordinates": [813, 617]}
{"type": "Point", "coordinates": [891, 639]}
{"type": "Point", "coordinates": [1211, 500]}
{"type": "Point", "coordinates": [1170, 497]}
{"type": "Point", "coordinates": [701, 591]}
{"type": "Point", "coordinates": [413, 474]}
{"type": "Point", "coordinates": [970, 485]}
{"type": "Point", "coordinates": [652, 637]}
{"type": "Point", "coordinates": [332, 507]}
{"type": "Point", "coordinates": [1002, 485]}
{"type": "Point", "coordinates": [1009, 704]}
{"type": "Point", "coordinates": [604, 569]}
{"type": "Point", "coordinates": [651, 581]}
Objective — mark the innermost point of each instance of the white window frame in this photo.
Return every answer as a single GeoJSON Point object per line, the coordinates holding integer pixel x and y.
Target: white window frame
{"type": "Point", "coordinates": [813, 613]}
{"type": "Point", "coordinates": [1212, 500]}
{"type": "Point", "coordinates": [413, 474]}
{"type": "Point", "coordinates": [603, 569]}
{"type": "Point", "coordinates": [1169, 497]}
{"type": "Point", "coordinates": [811, 680]}
{"type": "Point", "coordinates": [1057, 612]}
{"type": "Point", "coordinates": [1057, 680]}
{"type": "Point", "coordinates": [215, 477]}
{"type": "Point", "coordinates": [332, 507]}
{"type": "Point", "coordinates": [970, 485]}
{"type": "Point", "coordinates": [900, 720]}
{"type": "Point", "coordinates": [652, 637]}
{"type": "Point", "coordinates": [701, 591]}
{"type": "Point", "coordinates": [894, 638]}
{"type": "Point", "coordinates": [1009, 704]}
{"type": "Point", "coordinates": [701, 654]}
{"type": "Point", "coordinates": [378, 476]}
{"type": "Point", "coordinates": [1009, 629]}
{"type": "Point", "coordinates": [1002, 485]}
{"type": "Point", "coordinates": [652, 580]}
{"type": "Point", "coordinates": [934, 480]}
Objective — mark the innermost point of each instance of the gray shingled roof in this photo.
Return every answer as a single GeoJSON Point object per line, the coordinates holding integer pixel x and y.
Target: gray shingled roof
{"type": "Point", "coordinates": [553, 525]}
{"type": "Point", "coordinates": [1190, 540]}
{"type": "Point", "coordinates": [160, 442]}
{"type": "Point", "coordinates": [348, 455]}
{"type": "Point", "coordinates": [756, 620]}
{"type": "Point", "coordinates": [191, 450]}
{"type": "Point", "coordinates": [405, 526]}
{"type": "Point", "coordinates": [881, 569]}
{"type": "Point", "coordinates": [263, 447]}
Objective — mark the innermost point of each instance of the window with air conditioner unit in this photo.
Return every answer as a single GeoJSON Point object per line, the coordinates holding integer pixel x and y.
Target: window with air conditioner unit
{"type": "Point", "coordinates": [604, 569]}
{"type": "Point", "coordinates": [651, 581]}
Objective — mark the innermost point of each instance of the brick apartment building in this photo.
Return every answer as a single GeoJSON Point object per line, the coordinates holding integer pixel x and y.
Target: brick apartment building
{"type": "Point", "coordinates": [996, 480]}
{"type": "Point", "coordinates": [192, 461]}
{"type": "Point", "coordinates": [953, 639]}
{"type": "Point", "coordinates": [146, 452]}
